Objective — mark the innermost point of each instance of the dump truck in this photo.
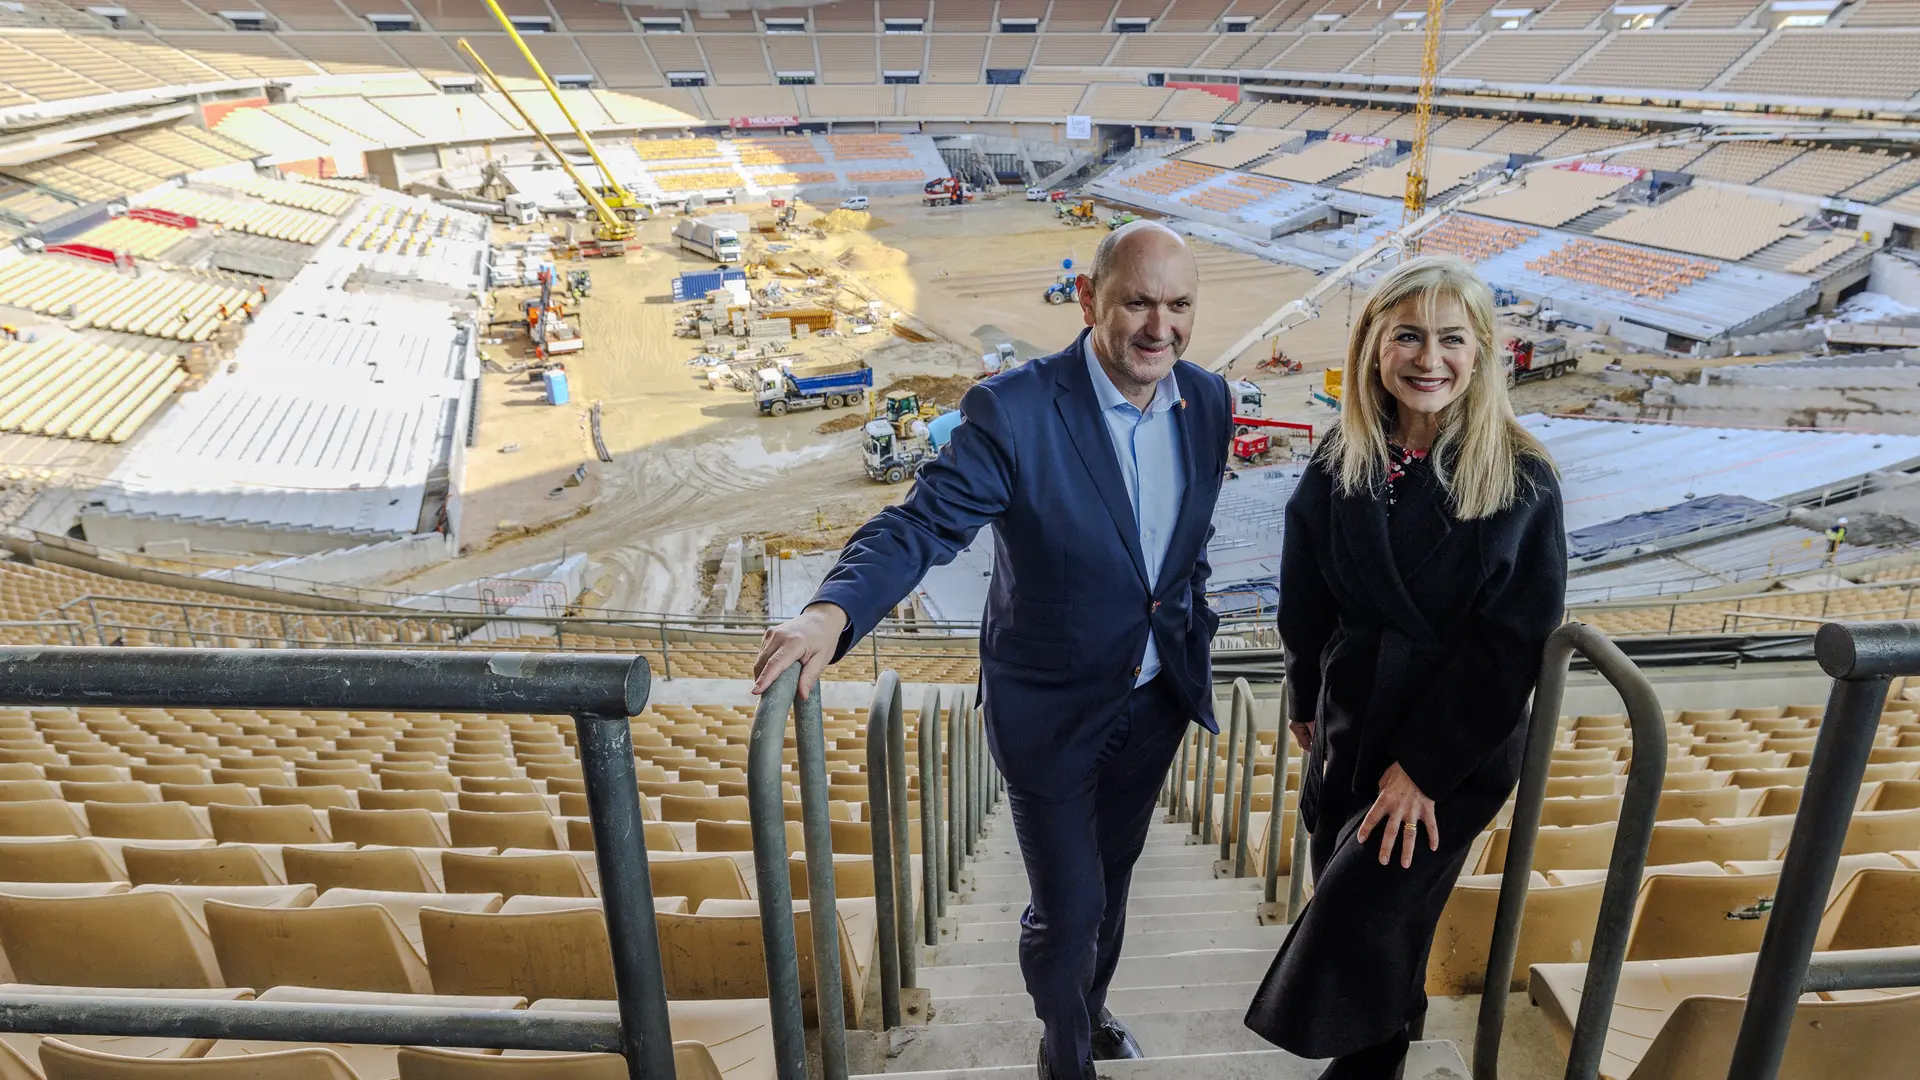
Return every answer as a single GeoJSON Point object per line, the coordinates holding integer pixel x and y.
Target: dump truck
{"type": "Point", "coordinates": [891, 457]}
{"type": "Point", "coordinates": [699, 235]}
{"type": "Point", "coordinates": [784, 390]}
{"type": "Point", "coordinates": [1547, 358]}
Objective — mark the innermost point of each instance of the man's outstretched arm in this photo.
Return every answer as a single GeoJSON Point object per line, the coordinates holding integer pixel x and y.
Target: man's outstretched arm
{"type": "Point", "coordinates": [967, 486]}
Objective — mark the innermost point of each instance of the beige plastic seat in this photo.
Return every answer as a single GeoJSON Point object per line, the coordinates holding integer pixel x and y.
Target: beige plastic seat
{"type": "Point", "coordinates": [525, 873]}
{"type": "Point", "coordinates": [738, 1034]}
{"type": "Point", "coordinates": [387, 869]}
{"type": "Point", "coordinates": [350, 939]}
{"type": "Point", "coordinates": [1575, 847]}
{"type": "Point", "coordinates": [691, 1061]}
{"type": "Point", "coordinates": [1558, 922]}
{"type": "Point", "coordinates": [195, 897]}
{"type": "Point", "coordinates": [689, 808]}
{"type": "Point", "coordinates": [553, 946]}
{"type": "Point", "coordinates": [394, 828]}
{"type": "Point", "coordinates": [30, 791]}
{"type": "Point", "coordinates": [1878, 909]}
{"type": "Point", "coordinates": [230, 864]}
{"type": "Point", "coordinates": [1680, 915]}
{"type": "Point", "coordinates": [58, 859]}
{"type": "Point", "coordinates": [852, 875]}
{"type": "Point", "coordinates": [146, 821]}
{"type": "Point", "coordinates": [134, 939]}
{"type": "Point", "coordinates": [471, 828]}
{"type": "Point", "coordinates": [46, 817]}
{"type": "Point", "coordinates": [503, 802]}
{"type": "Point", "coordinates": [169, 774]}
{"type": "Point", "coordinates": [1687, 841]}
{"type": "Point", "coordinates": [697, 876]}
{"type": "Point", "coordinates": [1677, 1020]}
{"type": "Point", "coordinates": [1691, 781]}
{"type": "Point", "coordinates": [368, 1061]}
{"type": "Point", "coordinates": [1563, 812]}
{"type": "Point", "coordinates": [1703, 805]}
{"type": "Point", "coordinates": [380, 799]}
{"type": "Point", "coordinates": [208, 794]}
{"type": "Point", "coordinates": [738, 836]}
{"type": "Point", "coordinates": [121, 791]}
{"type": "Point", "coordinates": [318, 796]}
{"type": "Point", "coordinates": [717, 952]}
{"type": "Point", "coordinates": [266, 824]}
{"type": "Point", "coordinates": [63, 888]}
{"type": "Point", "coordinates": [1882, 830]}
{"type": "Point", "coordinates": [660, 835]}
{"type": "Point", "coordinates": [403, 780]}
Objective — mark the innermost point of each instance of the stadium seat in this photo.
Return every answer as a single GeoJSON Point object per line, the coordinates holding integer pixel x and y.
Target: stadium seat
{"type": "Point", "coordinates": [368, 1061]}
{"type": "Point", "coordinates": [40, 817]}
{"type": "Point", "coordinates": [716, 952]}
{"type": "Point", "coordinates": [1878, 909]}
{"type": "Point", "coordinates": [395, 828]}
{"type": "Point", "coordinates": [350, 939]}
{"type": "Point", "coordinates": [552, 946]}
{"type": "Point", "coordinates": [1576, 847]}
{"type": "Point", "coordinates": [317, 796]}
{"type": "Point", "coordinates": [58, 859]}
{"type": "Point", "coordinates": [522, 873]}
{"type": "Point", "coordinates": [133, 939]}
{"type": "Point", "coordinates": [1557, 926]}
{"type": "Point", "coordinates": [1688, 841]}
{"type": "Point", "coordinates": [389, 869]}
{"type": "Point", "coordinates": [267, 824]}
{"type": "Point", "coordinates": [146, 821]}
{"type": "Point", "coordinates": [1700, 914]}
{"type": "Point", "coordinates": [377, 799]}
{"type": "Point", "coordinates": [471, 828]}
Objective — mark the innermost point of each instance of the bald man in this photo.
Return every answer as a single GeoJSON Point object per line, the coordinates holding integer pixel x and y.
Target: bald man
{"type": "Point", "coordinates": [1098, 468]}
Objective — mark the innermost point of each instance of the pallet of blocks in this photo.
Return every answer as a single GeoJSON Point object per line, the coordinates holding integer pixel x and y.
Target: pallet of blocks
{"type": "Point", "coordinates": [73, 388]}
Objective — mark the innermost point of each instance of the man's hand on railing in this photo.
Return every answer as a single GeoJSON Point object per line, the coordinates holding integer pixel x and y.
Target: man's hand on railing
{"type": "Point", "coordinates": [808, 638]}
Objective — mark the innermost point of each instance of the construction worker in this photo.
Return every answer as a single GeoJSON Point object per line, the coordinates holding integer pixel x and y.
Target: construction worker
{"type": "Point", "coordinates": [1835, 537]}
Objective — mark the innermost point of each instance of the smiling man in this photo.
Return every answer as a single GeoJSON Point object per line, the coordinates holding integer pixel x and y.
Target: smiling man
{"type": "Point", "coordinates": [1098, 467]}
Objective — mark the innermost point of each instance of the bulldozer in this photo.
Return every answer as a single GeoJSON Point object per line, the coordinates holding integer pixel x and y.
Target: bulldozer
{"type": "Point", "coordinates": [903, 408]}
{"type": "Point", "coordinates": [1079, 213]}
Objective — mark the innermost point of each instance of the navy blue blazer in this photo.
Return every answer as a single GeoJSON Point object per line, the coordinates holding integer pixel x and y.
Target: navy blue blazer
{"type": "Point", "coordinates": [1068, 609]}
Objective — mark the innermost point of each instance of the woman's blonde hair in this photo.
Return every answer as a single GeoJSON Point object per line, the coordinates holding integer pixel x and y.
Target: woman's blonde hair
{"type": "Point", "coordinates": [1477, 455]}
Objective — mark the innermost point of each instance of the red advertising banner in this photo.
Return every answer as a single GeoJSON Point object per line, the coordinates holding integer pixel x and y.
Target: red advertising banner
{"type": "Point", "coordinates": [163, 217]}
{"type": "Point", "coordinates": [1601, 168]}
{"type": "Point", "coordinates": [85, 251]}
{"type": "Point", "coordinates": [1363, 140]}
{"type": "Point", "coordinates": [763, 121]}
{"type": "Point", "coordinates": [215, 111]}
{"type": "Point", "coordinates": [1230, 91]}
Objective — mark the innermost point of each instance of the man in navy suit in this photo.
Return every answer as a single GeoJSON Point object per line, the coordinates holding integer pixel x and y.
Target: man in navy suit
{"type": "Point", "coordinates": [1098, 467]}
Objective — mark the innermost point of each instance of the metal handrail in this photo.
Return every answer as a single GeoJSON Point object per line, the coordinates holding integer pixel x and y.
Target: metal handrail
{"type": "Point", "coordinates": [892, 862]}
{"type": "Point", "coordinates": [1629, 860]}
{"type": "Point", "coordinates": [1863, 659]}
{"type": "Point", "coordinates": [1242, 704]}
{"type": "Point", "coordinates": [766, 807]}
{"type": "Point", "coordinates": [957, 714]}
{"type": "Point", "coordinates": [1203, 796]}
{"type": "Point", "coordinates": [599, 692]}
{"type": "Point", "coordinates": [933, 865]}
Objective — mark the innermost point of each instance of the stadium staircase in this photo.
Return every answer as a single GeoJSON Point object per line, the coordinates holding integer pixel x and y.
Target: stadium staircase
{"type": "Point", "coordinates": [1193, 956]}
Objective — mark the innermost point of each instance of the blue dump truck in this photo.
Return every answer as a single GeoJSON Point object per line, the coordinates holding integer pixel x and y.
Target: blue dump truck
{"type": "Point", "coordinates": [780, 390]}
{"type": "Point", "coordinates": [695, 285]}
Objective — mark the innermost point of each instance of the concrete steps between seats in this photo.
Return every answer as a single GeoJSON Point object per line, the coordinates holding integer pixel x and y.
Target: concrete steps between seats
{"type": "Point", "coordinates": [1184, 969]}
{"type": "Point", "coordinates": [1237, 917]}
{"type": "Point", "coordinates": [1247, 935]}
{"type": "Point", "coordinates": [1014, 1042]}
{"type": "Point", "coordinates": [1186, 858]}
{"type": "Point", "coordinates": [1008, 905]}
{"type": "Point", "coordinates": [1146, 883]}
{"type": "Point", "coordinates": [1425, 1061]}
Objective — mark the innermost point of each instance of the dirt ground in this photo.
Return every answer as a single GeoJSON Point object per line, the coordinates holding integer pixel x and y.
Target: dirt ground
{"type": "Point", "coordinates": [694, 467]}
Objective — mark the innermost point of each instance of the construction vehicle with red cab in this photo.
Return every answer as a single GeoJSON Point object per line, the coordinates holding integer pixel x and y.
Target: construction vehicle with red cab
{"type": "Point", "coordinates": [948, 191]}
{"type": "Point", "coordinates": [1256, 441]}
{"type": "Point", "coordinates": [1547, 358]}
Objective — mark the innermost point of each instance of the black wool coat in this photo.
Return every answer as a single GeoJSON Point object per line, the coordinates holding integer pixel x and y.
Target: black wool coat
{"type": "Point", "coordinates": [1413, 637]}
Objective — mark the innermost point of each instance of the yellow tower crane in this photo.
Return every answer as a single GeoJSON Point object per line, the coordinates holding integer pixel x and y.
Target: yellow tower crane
{"type": "Point", "coordinates": [619, 198]}
{"type": "Point", "coordinates": [1416, 201]}
{"type": "Point", "coordinates": [610, 225]}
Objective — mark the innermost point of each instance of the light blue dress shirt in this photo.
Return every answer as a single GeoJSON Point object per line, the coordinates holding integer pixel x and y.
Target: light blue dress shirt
{"type": "Point", "coordinates": [1147, 445]}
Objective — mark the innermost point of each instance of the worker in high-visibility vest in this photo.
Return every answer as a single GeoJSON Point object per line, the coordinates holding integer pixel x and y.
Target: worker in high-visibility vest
{"type": "Point", "coordinates": [1835, 537]}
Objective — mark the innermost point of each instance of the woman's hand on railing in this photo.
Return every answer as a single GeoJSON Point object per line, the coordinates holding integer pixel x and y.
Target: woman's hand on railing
{"type": "Point", "coordinates": [808, 639]}
{"type": "Point", "coordinates": [1302, 734]}
{"type": "Point", "coordinates": [1400, 809]}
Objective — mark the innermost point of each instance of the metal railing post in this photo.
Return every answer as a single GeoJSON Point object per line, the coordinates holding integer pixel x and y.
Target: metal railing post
{"type": "Point", "coordinates": [883, 716]}
{"type": "Point", "coordinates": [1631, 838]}
{"type": "Point", "coordinates": [956, 775]}
{"type": "Point", "coordinates": [767, 809]}
{"type": "Point", "coordinates": [1177, 802]}
{"type": "Point", "coordinates": [1235, 723]}
{"type": "Point", "coordinates": [933, 902]}
{"type": "Point", "coordinates": [1242, 692]}
{"type": "Point", "coordinates": [977, 795]}
{"type": "Point", "coordinates": [1862, 658]}
{"type": "Point", "coordinates": [1203, 825]}
{"type": "Point", "coordinates": [1274, 832]}
{"type": "Point", "coordinates": [1300, 868]}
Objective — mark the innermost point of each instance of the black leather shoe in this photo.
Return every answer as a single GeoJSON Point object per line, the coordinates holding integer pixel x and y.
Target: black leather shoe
{"type": "Point", "coordinates": [1046, 1072]}
{"type": "Point", "coordinates": [1111, 1039]}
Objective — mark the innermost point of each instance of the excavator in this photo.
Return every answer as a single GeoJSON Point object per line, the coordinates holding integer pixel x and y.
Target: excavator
{"type": "Point", "coordinates": [608, 226]}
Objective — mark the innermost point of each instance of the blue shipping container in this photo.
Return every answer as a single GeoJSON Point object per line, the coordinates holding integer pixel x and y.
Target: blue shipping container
{"type": "Point", "coordinates": [556, 382]}
{"type": "Point", "coordinates": [694, 285]}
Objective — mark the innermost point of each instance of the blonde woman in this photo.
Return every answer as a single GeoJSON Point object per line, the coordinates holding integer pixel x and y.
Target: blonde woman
{"type": "Point", "coordinates": [1423, 567]}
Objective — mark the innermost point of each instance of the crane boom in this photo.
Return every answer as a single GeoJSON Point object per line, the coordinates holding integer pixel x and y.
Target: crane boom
{"type": "Point", "coordinates": [1416, 196]}
{"type": "Point", "coordinates": [613, 192]}
{"type": "Point", "coordinates": [611, 227]}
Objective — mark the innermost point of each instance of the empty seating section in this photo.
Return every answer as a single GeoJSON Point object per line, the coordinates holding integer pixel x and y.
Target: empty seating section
{"type": "Point", "coordinates": [781, 151]}
{"type": "Point", "coordinates": [1039, 102]}
{"type": "Point", "coordinates": [1885, 13]}
{"type": "Point", "coordinates": [885, 176]}
{"type": "Point", "coordinates": [1742, 162]}
{"type": "Point", "coordinates": [1827, 172]}
{"type": "Point", "coordinates": [1160, 51]}
{"type": "Point", "coordinates": [1320, 161]}
{"type": "Point", "coordinates": [269, 135]}
{"type": "Point", "coordinates": [1874, 65]}
{"type": "Point", "coordinates": [142, 238]}
{"type": "Point", "coordinates": [949, 100]}
{"type": "Point", "coordinates": [177, 306]}
{"type": "Point", "coordinates": [1465, 132]}
{"type": "Point", "coordinates": [1322, 52]}
{"type": "Point", "coordinates": [1244, 148]}
{"type": "Point", "coordinates": [74, 388]}
{"type": "Point", "coordinates": [1446, 169]}
{"type": "Point", "coordinates": [1569, 14]}
{"type": "Point", "coordinates": [1829, 249]}
{"type": "Point", "coordinates": [956, 58]}
{"type": "Point", "coordinates": [1551, 197]}
{"type": "Point", "coordinates": [261, 219]}
{"type": "Point", "coordinates": [878, 147]}
{"type": "Point", "coordinates": [736, 59]}
{"type": "Point", "coordinates": [1714, 222]}
{"type": "Point", "coordinates": [1472, 238]}
{"type": "Point", "coordinates": [1623, 269]}
{"type": "Point", "coordinates": [1241, 190]}
{"type": "Point", "coordinates": [1171, 178]}
{"type": "Point", "coordinates": [848, 58]}
{"type": "Point", "coordinates": [1676, 61]}
{"type": "Point", "coordinates": [1711, 14]}
{"type": "Point", "coordinates": [1400, 54]}
{"type": "Point", "coordinates": [699, 180]}
{"type": "Point", "coordinates": [1073, 50]}
{"type": "Point", "coordinates": [1515, 56]}
{"type": "Point", "coordinates": [1521, 137]}
{"type": "Point", "coordinates": [1886, 185]}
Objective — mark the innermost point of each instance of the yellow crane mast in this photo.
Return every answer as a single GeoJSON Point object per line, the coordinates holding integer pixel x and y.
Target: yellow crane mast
{"type": "Point", "coordinates": [615, 196]}
{"type": "Point", "coordinates": [610, 226]}
{"type": "Point", "coordinates": [1416, 201]}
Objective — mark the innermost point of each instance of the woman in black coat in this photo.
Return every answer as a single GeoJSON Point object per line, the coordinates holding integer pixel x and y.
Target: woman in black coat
{"type": "Point", "coordinates": [1423, 567]}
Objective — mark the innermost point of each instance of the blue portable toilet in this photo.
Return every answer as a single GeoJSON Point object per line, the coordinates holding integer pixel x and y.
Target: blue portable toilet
{"type": "Point", "coordinates": [556, 383]}
{"type": "Point", "coordinates": [940, 428]}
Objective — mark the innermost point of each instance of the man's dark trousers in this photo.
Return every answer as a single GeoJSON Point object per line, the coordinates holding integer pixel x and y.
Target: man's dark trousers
{"type": "Point", "coordinates": [1079, 841]}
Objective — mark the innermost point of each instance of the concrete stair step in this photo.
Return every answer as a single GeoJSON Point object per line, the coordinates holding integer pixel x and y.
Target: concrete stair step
{"type": "Point", "coordinates": [1239, 917]}
{"type": "Point", "coordinates": [1225, 965]}
{"type": "Point", "coordinates": [1123, 1000]}
{"type": "Point", "coordinates": [1139, 943]}
{"type": "Point", "coordinates": [1008, 906]}
{"type": "Point", "coordinates": [1197, 860]}
{"type": "Point", "coordinates": [1145, 883]}
{"type": "Point", "coordinates": [1014, 1042]}
{"type": "Point", "coordinates": [1425, 1061]}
